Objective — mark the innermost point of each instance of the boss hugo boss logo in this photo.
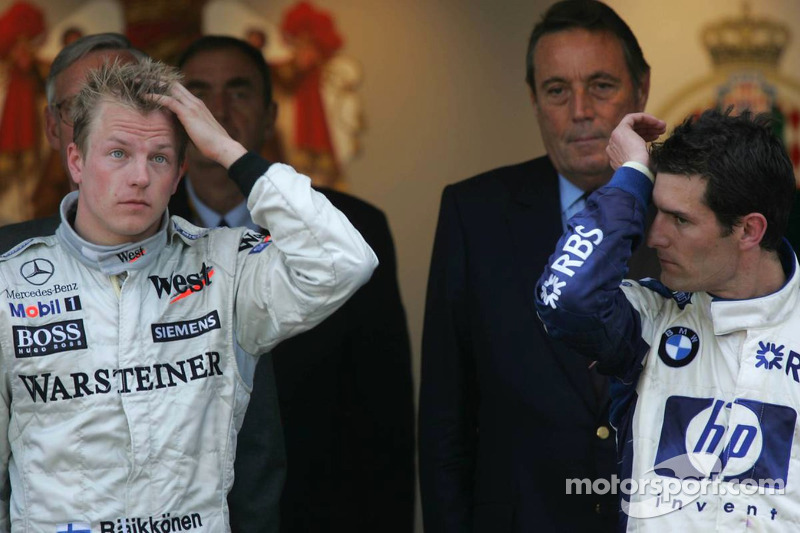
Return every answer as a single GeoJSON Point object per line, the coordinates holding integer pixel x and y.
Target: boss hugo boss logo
{"type": "Point", "coordinates": [678, 346]}
{"type": "Point", "coordinates": [38, 341]}
{"type": "Point", "coordinates": [37, 272]}
{"type": "Point", "coordinates": [43, 309]}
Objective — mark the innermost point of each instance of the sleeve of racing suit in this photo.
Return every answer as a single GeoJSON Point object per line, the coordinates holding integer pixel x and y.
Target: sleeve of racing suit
{"type": "Point", "coordinates": [579, 297]}
{"type": "Point", "coordinates": [316, 261]}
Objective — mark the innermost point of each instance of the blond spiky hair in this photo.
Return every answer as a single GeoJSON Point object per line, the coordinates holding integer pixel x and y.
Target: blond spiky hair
{"type": "Point", "coordinates": [128, 85]}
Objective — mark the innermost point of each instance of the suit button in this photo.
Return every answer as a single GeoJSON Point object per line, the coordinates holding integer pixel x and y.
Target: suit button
{"type": "Point", "coordinates": [598, 508]}
{"type": "Point", "coordinates": [603, 432]}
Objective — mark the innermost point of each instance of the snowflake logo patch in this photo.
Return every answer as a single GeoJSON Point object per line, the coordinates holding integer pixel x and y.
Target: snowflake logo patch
{"type": "Point", "coordinates": [551, 290]}
{"type": "Point", "coordinates": [768, 355]}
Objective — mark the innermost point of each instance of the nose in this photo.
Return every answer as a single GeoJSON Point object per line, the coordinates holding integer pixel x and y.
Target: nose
{"type": "Point", "coordinates": [656, 237]}
{"type": "Point", "coordinates": [139, 173]}
{"type": "Point", "coordinates": [218, 104]}
{"type": "Point", "coordinates": [582, 105]}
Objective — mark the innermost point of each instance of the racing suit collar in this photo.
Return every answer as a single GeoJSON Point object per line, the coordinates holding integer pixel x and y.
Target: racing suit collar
{"type": "Point", "coordinates": [765, 311]}
{"type": "Point", "coordinates": [110, 260]}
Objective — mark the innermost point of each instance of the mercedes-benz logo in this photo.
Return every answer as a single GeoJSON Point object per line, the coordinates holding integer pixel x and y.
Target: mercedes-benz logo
{"type": "Point", "coordinates": [38, 271]}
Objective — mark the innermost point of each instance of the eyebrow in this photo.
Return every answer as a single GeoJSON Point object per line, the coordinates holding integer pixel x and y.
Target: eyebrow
{"type": "Point", "coordinates": [114, 139]}
{"type": "Point", "coordinates": [673, 212]}
{"type": "Point", "coordinates": [597, 75]}
{"type": "Point", "coordinates": [233, 83]}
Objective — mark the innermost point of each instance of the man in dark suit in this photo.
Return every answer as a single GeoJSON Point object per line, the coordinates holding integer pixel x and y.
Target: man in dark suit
{"type": "Point", "coordinates": [344, 388]}
{"type": "Point", "coordinates": [506, 414]}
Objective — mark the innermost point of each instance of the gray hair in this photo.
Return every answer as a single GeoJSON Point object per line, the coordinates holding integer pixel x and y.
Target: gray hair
{"type": "Point", "coordinates": [81, 48]}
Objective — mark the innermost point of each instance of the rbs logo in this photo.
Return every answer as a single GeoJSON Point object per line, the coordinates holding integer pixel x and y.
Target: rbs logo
{"type": "Point", "coordinates": [746, 439]}
{"type": "Point", "coordinates": [32, 341]}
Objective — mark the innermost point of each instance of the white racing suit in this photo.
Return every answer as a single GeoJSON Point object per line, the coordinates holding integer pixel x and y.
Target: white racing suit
{"type": "Point", "coordinates": [126, 371]}
{"type": "Point", "coordinates": [707, 390]}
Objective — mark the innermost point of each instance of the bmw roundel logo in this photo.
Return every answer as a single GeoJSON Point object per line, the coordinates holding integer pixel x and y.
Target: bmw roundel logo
{"type": "Point", "coordinates": [38, 271]}
{"type": "Point", "coordinates": [678, 346]}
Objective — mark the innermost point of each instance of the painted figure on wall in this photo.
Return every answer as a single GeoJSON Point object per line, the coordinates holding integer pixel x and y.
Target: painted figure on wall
{"type": "Point", "coordinates": [316, 86]}
{"type": "Point", "coordinates": [22, 30]}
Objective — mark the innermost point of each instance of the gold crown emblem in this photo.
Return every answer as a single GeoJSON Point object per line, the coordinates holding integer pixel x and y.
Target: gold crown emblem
{"type": "Point", "coordinates": [746, 39]}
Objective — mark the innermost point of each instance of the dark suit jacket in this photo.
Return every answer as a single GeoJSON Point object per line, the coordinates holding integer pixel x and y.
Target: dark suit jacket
{"type": "Point", "coordinates": [13, 234]}
{"type": "Point", "coordinates": [506, 414]}
{"type": "Point", "coordinates": [346, 401]}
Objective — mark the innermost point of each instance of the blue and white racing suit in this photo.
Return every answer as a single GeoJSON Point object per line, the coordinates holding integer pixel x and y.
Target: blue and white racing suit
{"type": "Point", "coordinates": [706, 390]}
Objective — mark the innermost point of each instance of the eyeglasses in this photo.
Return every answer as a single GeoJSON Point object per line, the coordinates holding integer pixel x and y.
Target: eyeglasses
{"type": "Point", "coordinates": [64, 111]}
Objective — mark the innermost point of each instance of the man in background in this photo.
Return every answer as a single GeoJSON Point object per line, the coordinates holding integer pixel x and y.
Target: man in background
{"type": "Point", "coordinates": [64, 81]}
{"type": "Point", "coordinates": [344, 388]}
{"type": "Point", "coordinates": [506, 414]}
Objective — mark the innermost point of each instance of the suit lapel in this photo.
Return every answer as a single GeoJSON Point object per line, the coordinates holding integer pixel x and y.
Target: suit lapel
{"type": "Point", "coordinates": [534, 222]}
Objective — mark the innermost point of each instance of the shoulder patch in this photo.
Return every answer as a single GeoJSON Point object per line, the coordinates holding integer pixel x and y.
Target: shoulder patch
{"type": "Point", "coordinates": [24, 245]}
{"type": "Point", "coordinates": [678, 346]}
{"type": "Point", "coordinates": [186, 230]}
{"type": "Point", "coordinates": [254, 241]}
{"type": "Point", "coordinates": [681, 298]}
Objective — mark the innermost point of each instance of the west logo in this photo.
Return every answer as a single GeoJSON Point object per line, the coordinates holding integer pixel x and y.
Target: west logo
{"type": "Point", "coordinates": [249, 240]}
{"type": "Point", "coordinates": [186, 329]}
{"type": "Point", "coordinates": [42, 309]}
{"type": "Point", "coordinates": [709, 438]}
{"type": "Point", "coordinates": [33, 341]}
{"type": "Point", "coordinates": [182, 286]}
{"type": "Point", "coordinates": [130, 256]}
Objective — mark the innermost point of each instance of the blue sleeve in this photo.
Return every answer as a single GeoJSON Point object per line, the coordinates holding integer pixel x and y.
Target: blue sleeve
{"type": "Point", "coordinates": [578, 297]}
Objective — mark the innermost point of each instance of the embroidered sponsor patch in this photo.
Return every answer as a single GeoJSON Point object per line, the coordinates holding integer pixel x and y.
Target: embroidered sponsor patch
{"type": "Point", "coordinates": [37, 271]}
{"type": "Point", "coordinates": [678, 347]}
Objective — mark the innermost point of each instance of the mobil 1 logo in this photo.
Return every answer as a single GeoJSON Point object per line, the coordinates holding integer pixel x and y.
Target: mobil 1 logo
{"type": "Point", "coordinates": [38, 341]}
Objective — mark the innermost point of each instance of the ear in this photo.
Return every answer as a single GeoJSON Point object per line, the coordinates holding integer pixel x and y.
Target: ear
{"type": "Point", "coordinates": [534, 101]}
{"type": "Point", "coordinates": [270, 116]}
{"type": "Point", "coordinates": [75, 162]}
{"type": "Point", "coordinates": [753, 226]}
{"type": "Point", "coordinates": [51, 128]}
{"type": "Point", "coordinates": [643, 92]}
{"type": "Point", "coordinates": [180, 174]}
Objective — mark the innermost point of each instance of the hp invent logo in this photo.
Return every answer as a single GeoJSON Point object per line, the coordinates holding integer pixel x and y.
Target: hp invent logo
{"type": "Point", "coordinates": [710, 438]}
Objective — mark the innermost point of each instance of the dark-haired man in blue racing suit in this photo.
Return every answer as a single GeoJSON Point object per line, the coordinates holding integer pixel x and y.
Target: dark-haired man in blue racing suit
{"type": "Point", "coordinates": [706, 360]}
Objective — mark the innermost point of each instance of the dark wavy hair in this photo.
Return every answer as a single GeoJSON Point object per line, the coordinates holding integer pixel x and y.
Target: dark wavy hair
{"type": "Point", "coordinates": [746, 168]}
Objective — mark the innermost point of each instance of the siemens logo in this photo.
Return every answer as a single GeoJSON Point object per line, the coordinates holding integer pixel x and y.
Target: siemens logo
{"type": "Point", "coordinates": [42, 309]}
{"type": "Point", "coordinates": [185, 329]}
{"type": "Point", "coordinates": [38, 341]}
